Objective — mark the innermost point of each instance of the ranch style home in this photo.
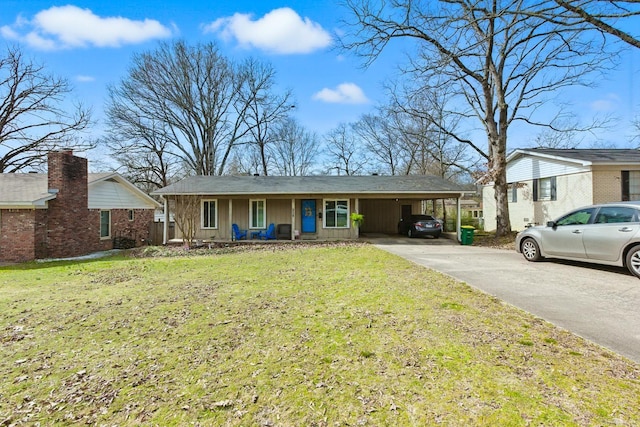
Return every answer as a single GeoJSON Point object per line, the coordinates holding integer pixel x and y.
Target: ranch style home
{"type": "Point", "coordinates": [306, 207]}
{"type": "Point", "coordinates": [546, 183]}
{"type": "Point", "coordinates": [69, 212]}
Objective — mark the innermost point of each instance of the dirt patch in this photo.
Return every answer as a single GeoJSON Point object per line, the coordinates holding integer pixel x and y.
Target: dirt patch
{"type": "Point", "coordinates": [235, 247]}
{"type": "Point", "coordinates": [490, 240]}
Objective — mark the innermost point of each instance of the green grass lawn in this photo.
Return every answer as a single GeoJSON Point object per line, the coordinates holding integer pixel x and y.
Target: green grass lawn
{"type": "Point", "coordinates": [290, 335]}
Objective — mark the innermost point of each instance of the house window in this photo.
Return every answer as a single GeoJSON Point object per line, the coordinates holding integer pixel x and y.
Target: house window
{"type": "Point", "coordinates": [544, 189]}
{"type": "Point", "coordinates": [131, 215]}
{"type": "Point", "coordinates": [209, 214]}
{"type": "Point", "coordinates": [336, 213]}
{"type": "Point", "coordinates": [257, 213]}
{"type": "Point", "coordinates": [512, 192]}
{"type": "Point", "coordinates": [105, 224]}
{"type": "Point", "coordinates": [630, 185]}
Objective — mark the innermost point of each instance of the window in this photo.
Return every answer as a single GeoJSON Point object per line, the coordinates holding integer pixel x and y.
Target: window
{"type": "Point", "coordinates": [512, 192]}
{"type": "Point", "coordinates": [615, 214]}
{"type": "Point", "coordinates": [579, 217]}
{"type": "Point", "coordinates": [630, 185]}
{"type": "Point", "coordinates": [257, 213]}
{"type": "Point", "coordinates": [105, 224]}
{"type": "Point", "coordinates": [336, 213]}
{"type": "Point", "coordinates": [209, 214]}
{"type": "Point", "coordinates": [544, 189]}
{"type": "Point", "coordinates": [131, 215]}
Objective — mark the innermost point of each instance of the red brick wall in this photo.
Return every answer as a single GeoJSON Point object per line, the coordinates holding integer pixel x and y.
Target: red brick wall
{"type": "Point", "coordinates": [137, 229]}
{"type": "Point", "coordinates": [17, 235]}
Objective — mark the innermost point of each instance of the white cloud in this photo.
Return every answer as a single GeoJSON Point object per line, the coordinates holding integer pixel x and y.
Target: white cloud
{"type": "Point", "coordinates": [69, 26]}
{"type": "Point", "coordinates": [280, 31]}
{"type": "Point", "coordinates": [345, 93]}
{"type": "Point", "coordinates": [608, 103]}
{"type": "Point", "coordinates": [85, 79]}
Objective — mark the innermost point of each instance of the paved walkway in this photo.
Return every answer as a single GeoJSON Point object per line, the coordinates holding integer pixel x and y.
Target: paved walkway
{"type": "Point", "coordinates": [598, 303]}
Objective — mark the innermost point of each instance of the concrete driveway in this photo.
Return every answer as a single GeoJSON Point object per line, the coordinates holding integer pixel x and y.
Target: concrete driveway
{"type": "Point", "coordinates": [599, 303]}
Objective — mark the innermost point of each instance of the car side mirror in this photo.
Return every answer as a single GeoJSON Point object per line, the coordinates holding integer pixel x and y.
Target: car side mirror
{"type": "Point", "coordinates": [552, 224]}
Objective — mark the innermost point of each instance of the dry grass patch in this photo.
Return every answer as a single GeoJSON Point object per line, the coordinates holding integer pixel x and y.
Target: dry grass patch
{"type": "Point", "coordinates": [289, 335]}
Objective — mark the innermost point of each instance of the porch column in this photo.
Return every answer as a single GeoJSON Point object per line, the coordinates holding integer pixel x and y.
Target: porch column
{"type": "Point", "coordinates": [357, 204]}
{"type": "Point", "coordinates": [230, 216]}
{"type": "Point", "coordinates": [459, 220]}
{"type": "Point", "coordinates": [165, 228]}
{"type": "Point", "coordinates": [293, 218]}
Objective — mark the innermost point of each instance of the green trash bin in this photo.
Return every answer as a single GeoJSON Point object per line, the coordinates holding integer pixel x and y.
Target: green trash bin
{"type": "Point", "coordinates": [466, 234]}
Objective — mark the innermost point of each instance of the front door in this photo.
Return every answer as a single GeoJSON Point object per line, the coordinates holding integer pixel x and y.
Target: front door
{"type": "Point", "coordinates": [308, 216]}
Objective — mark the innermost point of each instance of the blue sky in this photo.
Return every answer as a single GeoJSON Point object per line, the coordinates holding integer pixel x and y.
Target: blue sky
{"type": "Point", "coordinates": [91, 43]}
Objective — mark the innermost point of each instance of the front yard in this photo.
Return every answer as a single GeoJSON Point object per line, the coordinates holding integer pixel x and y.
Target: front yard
{"type": "Point", "coordinates": [288, 335]}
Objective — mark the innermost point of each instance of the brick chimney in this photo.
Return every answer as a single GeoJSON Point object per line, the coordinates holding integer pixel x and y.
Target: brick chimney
{"type": "Point", "coordinates": [68, 228]}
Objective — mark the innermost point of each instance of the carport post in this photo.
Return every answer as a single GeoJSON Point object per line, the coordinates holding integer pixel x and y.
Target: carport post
{"type": "Point", "coordinates": [293, 219]}
{"type": "Point", "coordinates": [459, 220]}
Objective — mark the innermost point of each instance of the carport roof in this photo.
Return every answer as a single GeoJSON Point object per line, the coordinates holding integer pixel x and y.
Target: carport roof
{"type": "Point", "coordinates": [299, 185]}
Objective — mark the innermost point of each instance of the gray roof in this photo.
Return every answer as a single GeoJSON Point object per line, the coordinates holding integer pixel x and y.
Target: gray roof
{"type": "Point", "coordinates": [31, 189]}
{"type": "Point", "coordinates": [24, 189]}
{"type": "Point", "coordinates": [300, 185]}
{"type": "Point", "coordinates": [587, 156]}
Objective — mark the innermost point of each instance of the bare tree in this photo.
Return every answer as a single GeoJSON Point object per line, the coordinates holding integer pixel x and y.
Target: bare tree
{"type": "Point", "coordinates": [186, 216]}
{"type": "Point", "coordinates": [265, 108]}
{"type": "Point", "coordinates": [137, 145]}
{"type": "Point", "coordinates": [422, 115]}
{"type": "Point", "coordinates": [345, 152]}
{"type": "Point", "coordinates": [294, 149]}
{"type": "Point", "coordinates": [607, 17]}
{"type": "Point", "coordinates": [182, 104]}
{"type": "Point", "coordinates": [34, 115]}
{"type": "Point", "coordinates": [384, 142]}
{"type": "Point", "coordinates": [501, 62]}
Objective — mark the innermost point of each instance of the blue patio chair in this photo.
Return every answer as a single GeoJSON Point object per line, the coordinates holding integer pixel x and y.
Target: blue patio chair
{"type": "Point", "coordinates": [269, 234]}
{"type": "Point", "coordinates": [237, 233]}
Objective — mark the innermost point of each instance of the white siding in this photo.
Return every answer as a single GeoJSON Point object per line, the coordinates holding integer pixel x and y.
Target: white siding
{"type": "Point", "coordinates": [526, 168]}
{"type": "Point", "coordinates": [111, 194]}
{"type": "Point", "coordinates": [573, 191]}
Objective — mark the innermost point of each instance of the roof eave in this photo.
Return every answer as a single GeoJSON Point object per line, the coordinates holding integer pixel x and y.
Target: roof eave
{"type": "Point", "coordinates": [521, 152]}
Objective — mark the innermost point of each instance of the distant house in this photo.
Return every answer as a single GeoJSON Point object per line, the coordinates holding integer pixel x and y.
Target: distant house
{"type": "Point", "coordinates": [69, 212]}
{"type": "Point", "coordinates": [545, 183]}
{"type": "Point", "coordinates": [309, 207]}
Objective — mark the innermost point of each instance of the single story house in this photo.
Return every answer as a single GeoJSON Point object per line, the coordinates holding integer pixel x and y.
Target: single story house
{"type": "Point", "coordinates": [310, 207]}
{"type": "Point", "coordinates": [545, 183]}
{"type": "Point", "coordinates": [69, 212]}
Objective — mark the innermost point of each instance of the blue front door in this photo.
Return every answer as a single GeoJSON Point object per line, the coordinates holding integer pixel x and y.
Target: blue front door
{"type": "Point", "coordinates": [308, 216]}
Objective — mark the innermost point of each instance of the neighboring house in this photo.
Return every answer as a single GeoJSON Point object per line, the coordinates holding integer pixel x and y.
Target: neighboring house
{"type": "Point", "coordinates": [68, 212]}
{"type": "Point", "coordinates": [311, 207]}
{"type": "Point", "coordinates": [545, 183]}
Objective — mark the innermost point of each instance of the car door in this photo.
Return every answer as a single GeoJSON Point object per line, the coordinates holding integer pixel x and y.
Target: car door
{"type": "Point", "coordinates": [564, 239]}
{"type": "Point", "coordinates": [611, 230]}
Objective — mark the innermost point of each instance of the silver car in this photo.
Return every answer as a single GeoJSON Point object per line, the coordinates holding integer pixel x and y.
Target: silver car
{"type": "Point", "coordinates": [604, 234]}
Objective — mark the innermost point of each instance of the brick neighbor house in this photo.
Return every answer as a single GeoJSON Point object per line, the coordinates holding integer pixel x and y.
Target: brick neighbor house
{"type": "Point", "coordinates": [68, 211]}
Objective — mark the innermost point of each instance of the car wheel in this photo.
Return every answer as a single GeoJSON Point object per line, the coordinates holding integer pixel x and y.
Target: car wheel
{"type": "Point", "coordinates": [633, 261]}
{"type": "Point", "coordinates": [409, 233]}
{"type": "Point", "coordinates": [435, 236]}
{"type": "Point", "coordinates": [530, 250]}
